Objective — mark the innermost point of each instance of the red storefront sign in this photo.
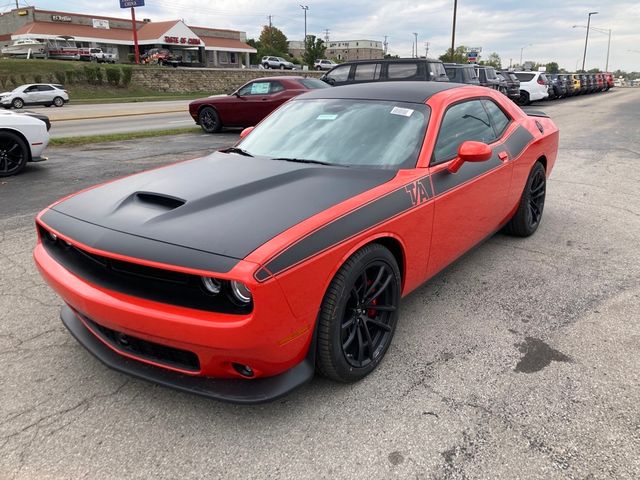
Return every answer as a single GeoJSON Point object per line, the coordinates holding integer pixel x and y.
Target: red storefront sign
{"type": "Point", "coordinates": [182, 40]}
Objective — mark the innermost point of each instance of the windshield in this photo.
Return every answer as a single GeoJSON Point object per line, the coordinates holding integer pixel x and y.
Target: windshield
{"type": "Point", "coordinates": [343, 132]}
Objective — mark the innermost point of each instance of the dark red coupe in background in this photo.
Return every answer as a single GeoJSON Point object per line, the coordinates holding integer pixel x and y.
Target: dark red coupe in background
{"type": "Point", "coordinates": [249, 104]}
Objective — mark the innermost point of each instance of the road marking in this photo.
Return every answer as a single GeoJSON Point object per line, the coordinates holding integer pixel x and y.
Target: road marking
{"type": "Point", "coordinates": [181, 121]}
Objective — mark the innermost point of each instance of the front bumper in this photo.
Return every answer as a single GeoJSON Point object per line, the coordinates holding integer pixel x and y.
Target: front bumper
{"type": "Point", "coordinates": [260, 390]}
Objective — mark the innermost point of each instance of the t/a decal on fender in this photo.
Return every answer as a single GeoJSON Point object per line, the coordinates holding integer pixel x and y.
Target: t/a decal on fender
{"type": "Point", "coordinates": [354, 222]}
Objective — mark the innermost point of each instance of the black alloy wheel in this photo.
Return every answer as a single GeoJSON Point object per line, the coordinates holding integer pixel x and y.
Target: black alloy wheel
{"type": "Point", "coordinates": [17, 103]}
{"type": "Point", "coordinates": [209, 120]}
{"type": "Point", "coordinates": [58, 101]}
{"type": "Point", "coordinates": [524, 98]}
{"type": "Point", "coordinates": [358, 315]}
{"type": "Point", "coordinates": [529, 214]}
{"type": "Point", "coordinates": [14, 154]}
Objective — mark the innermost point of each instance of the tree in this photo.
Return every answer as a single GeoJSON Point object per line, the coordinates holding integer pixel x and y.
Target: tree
{"type": "Point", "coordinates": [494, 61]}
{"type": "Point", "coordinates": [315, 50]}
{"type": "Point", "coordinates": [273, 42]}
{"type": "Point", "coordinates": [459, 55]}
{"type": "Point", "coordinates": [552, 67]}
{"type": "Point", "coordinates": [254, 57]}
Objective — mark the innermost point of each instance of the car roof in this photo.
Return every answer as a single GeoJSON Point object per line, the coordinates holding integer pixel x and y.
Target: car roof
{"type": "Point", "coordinates": [401, 91]}
{"type": "Point", "coordinates": [393, 60]}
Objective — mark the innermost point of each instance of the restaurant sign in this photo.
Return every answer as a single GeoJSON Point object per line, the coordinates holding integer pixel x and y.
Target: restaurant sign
{"type": "Point", "coordinates": [182, 40]}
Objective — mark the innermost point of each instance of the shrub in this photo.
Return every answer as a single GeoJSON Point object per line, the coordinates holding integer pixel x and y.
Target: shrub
{"type": "Point", "coordinates": [3, 81]}
{"type": "Point", "coordinates": [126, 75]}
{"type": "Point", "coordinates": [60, 76]}
{"type": "Point", "coordinates": [24, 78]}
{"type": "Point", "coordinates": [90, 73]}
{"type": "Point", "coordinates": [113, 75]}
{"type": "Point", "coordinates": [37, 78]}
{"type": "Point", "coordinates": [99, 76]}
{"type": "Point", "coordinates": [13, 81]}
{"type": "Point", "coordinates": [131, 57]}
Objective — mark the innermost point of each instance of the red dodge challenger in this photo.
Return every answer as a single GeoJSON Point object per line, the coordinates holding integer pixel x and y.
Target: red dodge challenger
{"type": "Point", "coordinates": [249, 104]}
{"type": "Point", "coordinates": [238, 275]}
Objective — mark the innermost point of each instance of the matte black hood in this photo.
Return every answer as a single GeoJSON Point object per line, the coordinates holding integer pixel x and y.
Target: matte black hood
{"type": "Point", "coordinates": [225, 204]}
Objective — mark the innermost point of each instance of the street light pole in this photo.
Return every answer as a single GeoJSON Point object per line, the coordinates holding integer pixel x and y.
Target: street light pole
{"type": "Point", "coordinates": [305, 8]}
{"type": "Point", "coordinates": [606, 32]}
{"type": "Point", "coordinates": [584, 57]}
{"type": "Point", "coordinates": [453, 30]}
{"type": "Point", "coordinates": [522, 50]}
{"type": "Point", "coordinates": [416, 42]}
{"type": "Point", "coordinates": [606, 68]}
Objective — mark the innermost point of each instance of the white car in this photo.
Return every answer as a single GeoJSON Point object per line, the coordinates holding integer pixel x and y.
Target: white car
{"type": "Point", "coordinates": [533, 86]}
{"type": "Point", "coordinates": [324, 64]}
{"type": "Point", "coordinates": [277, 62]}
{"type": "Point", "coordinates": [46, 94]}
{"type": "Point", "coordinates": [23, 138]}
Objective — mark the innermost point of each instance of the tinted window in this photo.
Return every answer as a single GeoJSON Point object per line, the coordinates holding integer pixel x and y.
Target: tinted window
{"type": "Point", "coordinates": [462, 122]}
{"type": "Point", "coordinates": [367, 71]}
{"type": "Point", "coordinates": [339, 74]}
{"type": "Point", "coordinates": [491, 73]}
{"type": "Point", "coordinates": [313, 83]}
{"type": "Point", "coordinates": [276, 87]}
{"type": "Point", "coordinates": [525, 77]}
{"type": "Point", "coordinates": [45, 88]}
{"type": "Point", "coordinates": [437, 70]}
{"type": "Point", "coordinates": [499, 119]}
{"type": "Point", "coordinates": [402, 70]}
{"type": "Point", "coordinates": [451, 73]}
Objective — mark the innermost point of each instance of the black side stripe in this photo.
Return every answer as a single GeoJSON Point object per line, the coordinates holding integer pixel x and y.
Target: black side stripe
{"type": "Point", "coordinates": [351, 224]}
{"type": "Point", "coordinates": [515, 144]}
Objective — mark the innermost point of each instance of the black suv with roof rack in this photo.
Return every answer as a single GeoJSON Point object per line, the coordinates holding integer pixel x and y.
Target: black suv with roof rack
{"type": "Point", "coordinates": [388, 70]}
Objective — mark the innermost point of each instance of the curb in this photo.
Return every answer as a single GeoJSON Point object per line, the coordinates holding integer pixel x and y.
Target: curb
{"type": "Point", "coordinates": [115, 115]}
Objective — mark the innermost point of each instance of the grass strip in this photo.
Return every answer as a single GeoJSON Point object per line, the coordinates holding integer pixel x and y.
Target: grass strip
{"type": "Point", "coordinates": [119, 137]}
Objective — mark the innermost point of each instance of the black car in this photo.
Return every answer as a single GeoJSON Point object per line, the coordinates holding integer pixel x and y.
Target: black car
{"type": "Point", "coordinates": [513, 84]}
{"type": "Point", "coordinates": [569, 84]}
{"type": "Point", "coordinates": [488, 77]}
{"type": "Point", "coordinates": [459, 73]}
{"type": "Point", "coordinates": [558, 85]}
{"type": "Point", "coordinates": [397, 69]}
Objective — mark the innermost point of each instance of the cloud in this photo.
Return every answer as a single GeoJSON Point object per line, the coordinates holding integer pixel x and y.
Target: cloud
{"type": "Point", "coordinates": [502, 26]}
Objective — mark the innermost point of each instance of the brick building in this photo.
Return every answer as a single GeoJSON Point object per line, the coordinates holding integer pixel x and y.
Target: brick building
{"type": "Point", "coordinates": [204, 46]}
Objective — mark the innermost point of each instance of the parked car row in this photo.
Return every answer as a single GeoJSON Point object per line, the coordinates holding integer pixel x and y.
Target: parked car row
{"type": "Point", "coordinates": [540, 85]}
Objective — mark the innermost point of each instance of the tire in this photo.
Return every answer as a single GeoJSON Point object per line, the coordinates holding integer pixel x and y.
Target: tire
{"type": "Point", "coordinates": [524, 98]}
{"type": "Point", "coordinates": [354, 333]}
{"type": "Point", "coordinates": [14, 153]}
{"type": "Point", "coordinates": [58, 101]}
{"type": "Point", "coordinates": [266, 66]}
{"type": "Point", "coordinates": [318, 68]}
{"type": "Point", "coordinates": [281, 67]}
{"type": "Point", "coordinates": [529, 214]}
{"type": "Point", "coordinates": [17, 103]}
{"type": "Point", "coordinates": [209, 120]}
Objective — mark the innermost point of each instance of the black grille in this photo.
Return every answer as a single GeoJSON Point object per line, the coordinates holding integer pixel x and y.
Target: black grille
{"type": "Point", "coordinates": [172, 357]}
{"type": "Point", "coordinates": [157, 284]}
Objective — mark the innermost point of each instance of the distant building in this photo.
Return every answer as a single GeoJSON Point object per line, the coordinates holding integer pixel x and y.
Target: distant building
{"type": "Point", "coordinates": [344, 50]}
{"type": "Point", "coordinates": [211, 47]}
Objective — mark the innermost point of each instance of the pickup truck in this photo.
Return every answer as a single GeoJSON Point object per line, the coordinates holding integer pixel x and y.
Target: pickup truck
{"type": "Point", "coordinates": [97, 55]}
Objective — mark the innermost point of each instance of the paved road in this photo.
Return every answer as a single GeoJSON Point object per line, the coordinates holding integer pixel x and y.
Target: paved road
{"type": "Point", "coordinates": [521, 360]}
{"type": "Point", "coordinates": [77, 120]}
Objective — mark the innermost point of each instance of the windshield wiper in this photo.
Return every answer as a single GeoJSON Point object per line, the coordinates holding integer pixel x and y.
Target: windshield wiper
{"type": "Point", "coordinates": [237, 150]}
{"type": "Point", "coordinates": [302, 160]}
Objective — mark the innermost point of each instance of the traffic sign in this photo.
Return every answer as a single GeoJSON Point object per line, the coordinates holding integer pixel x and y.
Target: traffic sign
{"type": "Point", "coordinates": [131, 3]}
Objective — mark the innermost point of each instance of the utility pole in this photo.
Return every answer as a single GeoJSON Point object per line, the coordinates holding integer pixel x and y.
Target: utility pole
{"type": "Point", "coordinates": [453, 30]}
{"type": "Point", "coordinates": [426, 49]}
{"type": "Point", "coordinates": [269, 17]}
{"type": "Point", "coordinates": [305, 8]}
{"type": "Point", "coordinates": [522, 50]}
{"type": "Point", "coordinates": [586, 39]}
{"type": "Point", "coordinates": [326, 35]}
{"type": "Point", "coordinates": [386, 44]}
{"type": "Point", "coordinates": [416, 42]}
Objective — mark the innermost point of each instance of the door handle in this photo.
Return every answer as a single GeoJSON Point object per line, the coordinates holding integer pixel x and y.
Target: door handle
{"type": "Point", "coordinates": [503, 156]}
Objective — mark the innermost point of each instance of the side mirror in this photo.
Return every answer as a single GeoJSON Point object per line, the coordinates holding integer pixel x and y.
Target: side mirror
{"type": "Point", "coordinates": [470, 151]}
{"type": "Point", "coordinates": [246, 132]}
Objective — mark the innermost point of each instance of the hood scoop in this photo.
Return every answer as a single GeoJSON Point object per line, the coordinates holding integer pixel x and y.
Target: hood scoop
{"type": "Point", "coordinates": [142, 207]}
{"type": "Point", "coordinates": [157, 200]}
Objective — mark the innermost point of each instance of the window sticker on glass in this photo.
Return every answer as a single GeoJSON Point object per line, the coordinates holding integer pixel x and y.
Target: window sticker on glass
{"type": "Point", "coordinates": [327, 116]}
{"type": "Point", "coordinates": [259, 88]}
{"type": "Point", "coordinates": [405, 112]}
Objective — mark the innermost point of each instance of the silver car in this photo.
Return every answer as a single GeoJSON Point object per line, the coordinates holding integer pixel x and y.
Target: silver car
{"type": "Point", "coordinates": [277, 62]}
{"type": "Point", "coordinates": [46, 94]}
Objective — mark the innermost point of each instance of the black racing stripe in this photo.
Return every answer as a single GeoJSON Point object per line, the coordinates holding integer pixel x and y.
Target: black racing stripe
{"type": "Point", "coordinates": [262, 274]}
{"type": "Point", "coordinates": [351, 224]}
{"type": "Point", "coordinates": [133, 246]}
{"type": "Point", "coordinates": [517, 142]}
{"type": "Point", "coordinates": [444, 180]}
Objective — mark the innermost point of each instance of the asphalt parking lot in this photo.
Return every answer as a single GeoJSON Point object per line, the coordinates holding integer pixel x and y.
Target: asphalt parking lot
{"type": "Point", "coordinates": [521, 360]}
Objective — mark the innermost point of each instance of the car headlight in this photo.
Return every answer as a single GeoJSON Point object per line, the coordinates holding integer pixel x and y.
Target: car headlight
{"type": "Point", "coordinates": [241, 292]}
{"type": "Point", "coordinates": [211, 285]}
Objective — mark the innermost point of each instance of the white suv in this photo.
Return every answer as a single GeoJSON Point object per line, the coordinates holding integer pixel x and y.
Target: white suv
{"type": "Point", "coordinates": [533, 87]}
{"type": "Point", "coordinates": [35, 94]}
{"type": "Point", "coordinates": [324, 64]}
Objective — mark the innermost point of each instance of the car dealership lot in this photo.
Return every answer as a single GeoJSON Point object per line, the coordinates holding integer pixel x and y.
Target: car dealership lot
{"type": "Point", "coordinates": [519, 361]}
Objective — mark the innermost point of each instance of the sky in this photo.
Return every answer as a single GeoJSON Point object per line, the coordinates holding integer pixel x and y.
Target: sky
{"type": "Point", "coordinates": [545, 28]}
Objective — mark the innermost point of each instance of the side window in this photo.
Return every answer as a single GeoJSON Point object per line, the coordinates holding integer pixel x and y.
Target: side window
{"type": "Point", "coordinates": [276, 87]}
{"type": "Point", "coordinates": [367, 71]}
{"type": "Point", "coordinates": [339, 74]}
{"type": "Point", "coordinates": [525, 77]}
{"type": "Point", "coordinates": [260, 88]}
{"type": "Point", "coordinates": [437, 70]}
{"type": "Point", "coordinates": [44, 88]}
{"type": "Point", "coordinates": [402, 71]}
{"type": "Point", "coordinates": [246, 90]}
{"type": "Point", "coordinates": [498, 118]}
{"type": "Point", "coordinates": [462, 122]}
{"type": "Point", "coordinates": [451, 73]}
